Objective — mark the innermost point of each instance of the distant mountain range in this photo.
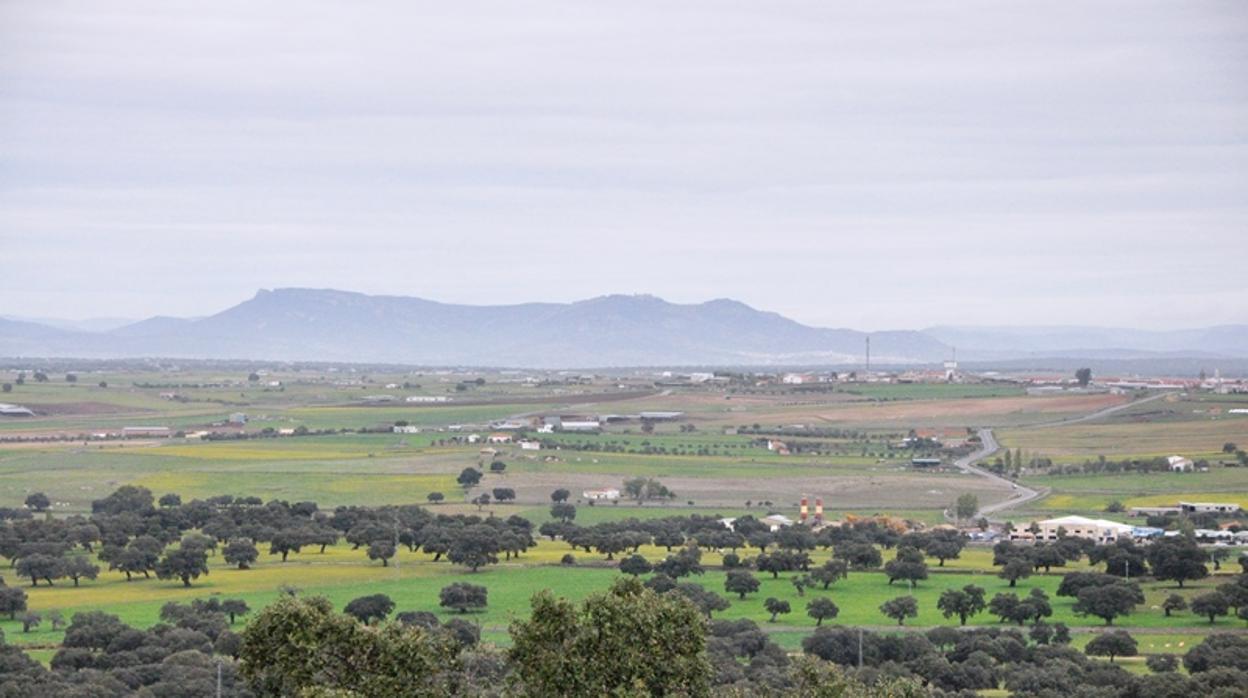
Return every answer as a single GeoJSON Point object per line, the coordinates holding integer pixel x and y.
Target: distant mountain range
{"type": "Point", "coordinates": [327, 325]}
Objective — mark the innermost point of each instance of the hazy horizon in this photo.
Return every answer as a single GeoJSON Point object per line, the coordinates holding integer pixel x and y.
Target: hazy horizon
{"type": "Point", "coordinates": [104, 323]}
{"type": "Point", "coordinates": [984, 164]}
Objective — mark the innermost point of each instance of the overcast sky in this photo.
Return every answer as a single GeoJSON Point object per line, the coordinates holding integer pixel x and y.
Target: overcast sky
{"type": "Point", "coordinates": [870, 165]}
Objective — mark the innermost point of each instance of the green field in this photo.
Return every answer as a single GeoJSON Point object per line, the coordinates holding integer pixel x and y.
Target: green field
{"type": "Point", "coordinates": [413, 581]}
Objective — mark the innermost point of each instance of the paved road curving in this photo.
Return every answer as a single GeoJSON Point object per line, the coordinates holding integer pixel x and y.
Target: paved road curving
{"type": "Point", "coordinates": [967, 464]}
{"type": "Point", "coordinates": [1021, 493]}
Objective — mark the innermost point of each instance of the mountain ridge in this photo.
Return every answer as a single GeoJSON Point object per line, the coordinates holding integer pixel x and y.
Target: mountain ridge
{"type": "Point", "coordinates": [319, 324]}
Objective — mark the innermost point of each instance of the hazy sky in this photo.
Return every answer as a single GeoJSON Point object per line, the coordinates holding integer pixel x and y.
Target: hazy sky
{"type": "Point", "coordinates": [869, 164]}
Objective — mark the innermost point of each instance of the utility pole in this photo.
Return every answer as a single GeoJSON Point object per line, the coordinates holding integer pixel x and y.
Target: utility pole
{"type": "Point", "coordinates": [860, 647]}
{"type": "Point", "coordinates": [397, 572]}
{"type": "Point", "coordinates": [219, 677]}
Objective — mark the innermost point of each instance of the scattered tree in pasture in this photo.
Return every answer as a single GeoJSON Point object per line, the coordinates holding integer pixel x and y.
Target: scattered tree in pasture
{"type": "Point", "coordinates": [12, 601]}
{"type": "Point", "coordinates": [182, 564]}
{"type": "Point", "coordinates": [369, 609]}
{"type": "Point", "coordinates": [1116, 643]}
{"type": "Point", "coordinates": [1015, 569]}
{"type": "Point", "coordinates": [469, 478]}
{"type": "Point", "coordinates": [635, 565]}
{"type": "Point", "coordinates": [822, 609]}
{"type": "Point", "coordinates": [1108, 602]}
{"type": "Point", "coordinates": [1212, 605]}
{"type": "Point", "coordinates": [963, 603]}
{"type": "Point", "coordinates": [474, 547]}
{"type": "Point", "coordinates": [563, 511]}
{"type": "Point", "coordinates": [908, 565]}
{"type": "Point", "coordinates": [829, 572]}
{"type": "Point", "coordinates": [900, 608]}
{"type": "Point", "coordinates": [78, 567]}
{"type": "Point", "coordinates": [1177, 559]}
{"type": "Point", "coordinates": [29, 620]}
{"type": "Point", "coordinates": [234, 608]}
{"type": "Point", "coordinates": [382, 550]}
{"type": "Point", "coordinates": [1173, 602]}
{"type": "Point", "coordinates": [966, 506]}
{"type": "Point", "coordinates": [776, 607]}
{"type": "Point", "coordinates": [38, 501]}
{"type": "Point", "coordinates": [36, 567]}
{"type": "Point", "coordinates": [463, 597]}
{"type": "Point", "coordinates": [740, 582]}
{"type": "Point", "coordinates": [241, 552]}
{"type": "Point", "coordinates": [945, 546]}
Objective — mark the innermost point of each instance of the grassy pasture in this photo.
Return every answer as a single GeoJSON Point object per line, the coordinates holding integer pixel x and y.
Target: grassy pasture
{"type": "Point", "coordinates": [342, 574]}
{"type": "Point", "coordinates": [1195, 438]}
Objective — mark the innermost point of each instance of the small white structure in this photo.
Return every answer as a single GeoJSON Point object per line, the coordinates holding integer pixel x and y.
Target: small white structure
{"type": "Point", "coordinates": [546, 429]}
{"type": "Point", "coordinates": [700, 377]}
{"type": "Point", "coordinates": [778, 447]}
{"type": "Point", "coordinates": [1179, 464]}
{"type": "Point", "coordinates": [7, 410]}
{"type": "Point", "coordinates": [776, 521]}
{"type": "Point", "coordinates": [1208, 507]}
{"type": "Point", "coordinates": [527, 445]}
{"type": "Point", "coordinates": [795, 379]}
{"type": "Point", "coordinates": [580, 425]}
{"type": "Point", "coordinates": [238, 418]}
{"type": "Point", "coordinates": [660, 415]}
{"type": "Point", "coordinates": [601, 495]}
{"type": "Point", "coordinates": [473, 438]}
{"type": "Point", "coordinates": [426, 398]}
{"type": "Point", "coordinates": [499, 438]}
{"type": "Point", "coordinates": [407, 429]}
{"type": "Point", "coordinates": [511, 425]}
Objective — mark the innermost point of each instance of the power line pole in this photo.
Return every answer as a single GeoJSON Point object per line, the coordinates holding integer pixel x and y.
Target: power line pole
{"type": "Point", "coordinates": [860, 647]}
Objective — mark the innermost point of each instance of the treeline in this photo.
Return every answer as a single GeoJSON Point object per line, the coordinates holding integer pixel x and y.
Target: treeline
{"type": "Point", "coordinates": [135, 534]}
{"type": "Point", "coordinates": [1107, 466]}
{"type": "Point", "coordinates": [627, 640]}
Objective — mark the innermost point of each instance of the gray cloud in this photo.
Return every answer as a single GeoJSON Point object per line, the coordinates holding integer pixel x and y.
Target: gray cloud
{"type": "Point", "coordinates": [848, 164]}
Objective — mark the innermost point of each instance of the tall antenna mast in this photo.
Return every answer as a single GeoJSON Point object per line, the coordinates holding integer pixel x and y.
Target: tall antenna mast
{"type": "Point", "coordinates": [868, 353]}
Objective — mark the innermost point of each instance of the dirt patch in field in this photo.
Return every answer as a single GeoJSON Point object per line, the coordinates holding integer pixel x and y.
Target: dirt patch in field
{"type": "Point", "coordinates": [61, 409]}
{"type": "Point", "coordinates": [965, 411]}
